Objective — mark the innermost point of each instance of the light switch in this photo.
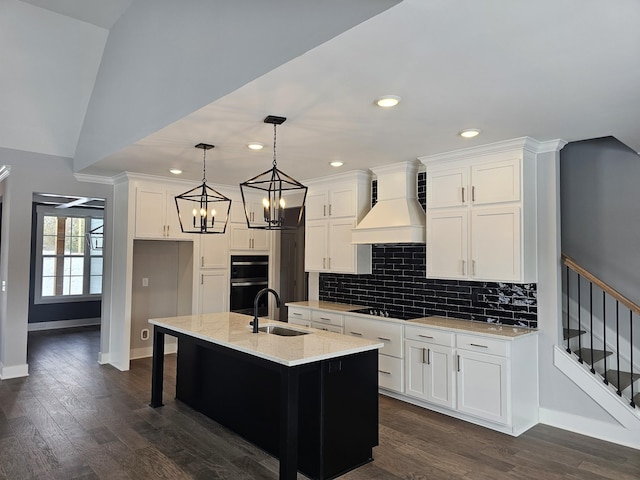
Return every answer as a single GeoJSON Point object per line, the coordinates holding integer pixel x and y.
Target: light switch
{"type": "Point", "coordinates": [4, 285]}
{"type": "Point", "coordinates": [145, 282]}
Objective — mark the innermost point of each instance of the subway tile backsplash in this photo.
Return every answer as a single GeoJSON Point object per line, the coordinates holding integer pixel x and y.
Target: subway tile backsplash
{"type": "Point", "coordinates": [399, 285]}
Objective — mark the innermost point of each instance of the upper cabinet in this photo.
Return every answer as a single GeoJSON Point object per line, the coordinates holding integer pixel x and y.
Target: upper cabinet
{"type": "Point", "coordinates": [156, 213]}
{"type": "Point", "coordinates": [244, 238]}
{"type": "Point", "coordinates": [481, 212]}
{"type": "Point", "coordinates": [333, 208]}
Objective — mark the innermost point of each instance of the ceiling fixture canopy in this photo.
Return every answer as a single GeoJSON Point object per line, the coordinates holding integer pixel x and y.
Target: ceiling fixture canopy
{"type": "Point", "coordinates": [202, 209]}
{"type": "Point", "coordinates": [281, 197]}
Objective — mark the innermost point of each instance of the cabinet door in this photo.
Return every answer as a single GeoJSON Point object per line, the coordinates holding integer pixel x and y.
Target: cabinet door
{"type": "Point", "coordinates": [447, 188]}
{"type": "Point", "coordinates": [482, 386]}
{"type": "Point", "coordinates": [171, 219]}
{"type": "Point", "coordinates": [447, 244]}
{"type": "Point", "coordinates": [240, 238]}
{"type": "Point", "coordinates": [495, 243]}
{"type": "Point", "coordinates": [416, 370]}
{"type": "Point", "coordinates": [151, 207]}
{"type": "Point", "coordinates": [315, 246]}
{"type": "Point", "coordinates": [342, 254]}
{"type": "Point", "coordinates": [495, 182]}
{"type": "Point", "coordinates": [214, 250]}
{"type": "Point", "coordinates": [342, 202]}
{"type": "Point", "coordinates": [260, 239]}
{"type": "Point", "coordinates": [214, 292]}
{"type": "Point", "coordinates": [429, 372]}
{"type": "Point", "coordinates": [316, 205]}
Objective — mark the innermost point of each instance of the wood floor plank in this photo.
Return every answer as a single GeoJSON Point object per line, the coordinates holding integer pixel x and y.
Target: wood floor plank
{"type": "Point", "coordinates": [75, 419]}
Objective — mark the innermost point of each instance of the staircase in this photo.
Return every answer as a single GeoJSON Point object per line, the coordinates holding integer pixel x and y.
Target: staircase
{"type": "Point", "coordinates": [599, 331]}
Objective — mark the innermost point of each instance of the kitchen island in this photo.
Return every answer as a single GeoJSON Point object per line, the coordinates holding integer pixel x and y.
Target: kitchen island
{"type": "Point", "coordinates": [310, 400]}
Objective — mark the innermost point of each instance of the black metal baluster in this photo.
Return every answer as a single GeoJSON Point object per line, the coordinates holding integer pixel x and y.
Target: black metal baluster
{"type": "Point", "coordinates": [604, 334]}
{"type": "Point", "coordinates": [633, 403]}
{"type": "Point", "coordinates": [580, 322]}
{"type": "Point", "coordinates": [593, 370]}
{"type": "Point", "coordinates": [619, 392]}
{"type": "Point", "coordinates": [568, 316]}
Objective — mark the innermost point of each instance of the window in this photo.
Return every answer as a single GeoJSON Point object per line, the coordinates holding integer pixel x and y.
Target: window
{"type": "Point", "coordinates": [69, 265]}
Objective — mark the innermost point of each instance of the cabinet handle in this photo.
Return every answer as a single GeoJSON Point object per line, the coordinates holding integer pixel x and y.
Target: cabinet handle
{"type": "Point", "coordinates": [384, 339]}
{"type": "Point", "coordinates": [423, 353]}
{"type": "Point", "coordinates": [202, 261]}
{"type": "Point", "coordinates": [167, 230]}
{"type": "Point", "coordinates": [329, 209]}
{"type": "Point", "coordinates": [324, 210]}
{"type": "Point", "coordinates": [324, 262]}
{"type": "Point", "coordinates": [478, 345]}
{"type": "Point", "coordinates": [462, 194]}
{"type": "Point", "coordinates": [424, 336]}
{"type": "Point", "coordinates": [297, 314]}
{"type": "Point", "coordinates": [324, 319]}
{"type": "Point", "coordinates": [458, 362]}
{"type": "Point", "coordinates": [386, 373]}
{"type": "Point", "coordinates": [356, 333]}
{"type": "Point", "coordinates": [464, 267]}
{"type": "Point", "coordinates": [329, 263]}
{"type": "Point", "coordinates": [201, 279]}
{"type": "Point", "coordinates": [426, 352]}
{"type": "Point", "coordinates": [473, 193]}
{"type": "Point", "coordinates": [473, 266]}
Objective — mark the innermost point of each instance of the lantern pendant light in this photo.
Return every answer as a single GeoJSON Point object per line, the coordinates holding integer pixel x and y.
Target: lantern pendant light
{"type": "Point", "coordinates": [202, 209]}
{"type": "Point", "coordinates": [281, 198]}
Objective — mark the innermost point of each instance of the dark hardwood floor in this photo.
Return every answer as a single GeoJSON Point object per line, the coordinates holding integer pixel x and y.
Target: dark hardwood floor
{"type": "Point", "coordinates": [75, 419]}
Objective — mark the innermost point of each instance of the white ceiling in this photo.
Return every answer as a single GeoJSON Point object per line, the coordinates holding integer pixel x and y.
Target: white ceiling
{"type": "Point", "coordinates": [97, 12]}
{"type": "Point", "coordinates": [548, 69]}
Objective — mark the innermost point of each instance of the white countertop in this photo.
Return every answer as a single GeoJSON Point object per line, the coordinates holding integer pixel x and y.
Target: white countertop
{"type": "Point", "coordinates": [232, 330]}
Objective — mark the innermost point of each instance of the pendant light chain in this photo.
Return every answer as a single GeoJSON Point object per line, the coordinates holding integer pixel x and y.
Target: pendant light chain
{"type": "Point", "coordinates": [204, 165]}
{"type": "Point", "coordinates": [274, 145]}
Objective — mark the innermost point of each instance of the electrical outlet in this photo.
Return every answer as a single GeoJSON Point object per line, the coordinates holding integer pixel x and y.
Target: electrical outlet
{"type": "Point", "coordinates": [144, 334]}
{"type": "Point", "coordinates": [145, 282]}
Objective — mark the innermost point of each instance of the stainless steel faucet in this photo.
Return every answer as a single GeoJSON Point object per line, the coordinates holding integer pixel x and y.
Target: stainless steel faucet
{"type": "Point", "coordinates": [255, 305]}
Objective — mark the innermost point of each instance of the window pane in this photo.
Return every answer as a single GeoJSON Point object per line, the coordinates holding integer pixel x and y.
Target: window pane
{"type": "Point", "coordinates": [48, 285]}
{"type": "Point", "coordinates": [67, 267]}
{"type": "Point", "coordinates": [48, 267]}
{"type": "Point", "coordinates": [77, 266]}
{"type": "Point", "coordinates": [50, 225]}
{"type": "Point", "coordinates": [96, 266]}
{"type": "Point", "coordinates": [95, 284]}
{"type": "Point", "coordinates": [76, 286]}
{"type": "Point", "coordinates": [48, 244]}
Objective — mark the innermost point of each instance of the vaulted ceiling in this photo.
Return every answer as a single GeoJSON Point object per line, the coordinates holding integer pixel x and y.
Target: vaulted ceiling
{"type": "Point", "coordinates": [134, 85]}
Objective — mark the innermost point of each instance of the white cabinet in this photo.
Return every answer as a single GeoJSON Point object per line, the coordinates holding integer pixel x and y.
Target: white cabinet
{"type": "Point", "coordinates": [481, 213]}
{"type": "Point", "coordinates": [156, 213]}
{"type": "Point", "coordinates": [429, 368]}
{"type": "Point", "coordinates": [299, 316]}
{"type": "Point", "coordinates": [329, 321]}
{"type": "Point", "coordinates": [213, 291]}
{"type": "Point", "coordinates": [488, 380]}
{"type": "Point", "coordinates": [390, 356]}
{"type": "Point", "coordinates": [244, 238]}
{"type": "Point", "coordinates": [214, 250]}
{"type": "Point", "coordinates": [333, 208]}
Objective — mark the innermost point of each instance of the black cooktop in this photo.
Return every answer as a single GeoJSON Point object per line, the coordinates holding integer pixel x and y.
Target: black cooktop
{"type": "Point", "coordinates": [381, 312]}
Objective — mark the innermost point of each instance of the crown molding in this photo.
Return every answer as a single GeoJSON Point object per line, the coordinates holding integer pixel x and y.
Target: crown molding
{"type": "Point", "coordinates": [5, 171]}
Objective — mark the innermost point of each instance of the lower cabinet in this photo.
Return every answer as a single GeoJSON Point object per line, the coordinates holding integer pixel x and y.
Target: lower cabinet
{"type": "Point", "coordinates": [213, 291]}
{"type": "Point", "coordinates": [299, 316]}
{"type": "Point", "coordinates": [429, 372]}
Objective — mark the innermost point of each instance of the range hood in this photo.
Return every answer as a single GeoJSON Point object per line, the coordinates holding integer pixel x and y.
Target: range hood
{"type": "Point", "coordinates": [397, 217]}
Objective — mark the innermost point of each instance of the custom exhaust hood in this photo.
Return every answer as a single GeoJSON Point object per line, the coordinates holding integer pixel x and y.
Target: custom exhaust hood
{"type": "Point", "coordinates": [397, 217]}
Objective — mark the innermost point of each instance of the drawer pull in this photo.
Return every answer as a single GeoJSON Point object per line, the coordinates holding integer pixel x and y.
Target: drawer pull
{"type": "Point", "coordinates": [325, 319]}
{"type": "Point", "coordinates": [297, 314]}
{"type": "Point", "coordinates": [425, 336]}
{"type": "Point", "coordinates": [384, 339]}
{"type": "Point", "coordinates": [477, 345]}
{"type": "Point", "coordinates": [356, 333]}
{"type": "Point", "coordinates": [386, 373]}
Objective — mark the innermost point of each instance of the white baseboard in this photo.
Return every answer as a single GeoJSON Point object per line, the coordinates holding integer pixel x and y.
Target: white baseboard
{"type": "Point", "coordinates": [104, 358]}
{"type": "Point", "coordinates": [146, 352]}
{"type": "Point", "coordinates": [609, 432]}
{"type": "Point", "coordinates": [79, 322]}
{"type": "Point", "coordinates": [13, 371]}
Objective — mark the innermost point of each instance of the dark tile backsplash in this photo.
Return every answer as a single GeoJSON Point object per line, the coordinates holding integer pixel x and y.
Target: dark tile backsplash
{"type": "Point", "coordinates": [399, 285]}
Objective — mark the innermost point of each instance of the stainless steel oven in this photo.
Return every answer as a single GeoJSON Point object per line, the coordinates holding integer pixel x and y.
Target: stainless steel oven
{"type": "Point", "coordinates": [249, 275]}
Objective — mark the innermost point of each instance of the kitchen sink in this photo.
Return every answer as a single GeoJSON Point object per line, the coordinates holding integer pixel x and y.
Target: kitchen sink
{"type": "Point", "coordinates": [281, 331]}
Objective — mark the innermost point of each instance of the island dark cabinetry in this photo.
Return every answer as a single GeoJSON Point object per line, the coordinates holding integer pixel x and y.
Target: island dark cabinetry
{"type": "Point", "coordinates": [337, 421]}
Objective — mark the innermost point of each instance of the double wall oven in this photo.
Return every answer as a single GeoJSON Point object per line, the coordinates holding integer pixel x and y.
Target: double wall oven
{"type": "Point", "coordinates": [249, 275]}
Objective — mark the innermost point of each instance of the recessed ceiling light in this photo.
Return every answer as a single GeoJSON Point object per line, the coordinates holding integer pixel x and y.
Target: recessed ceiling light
{"type": "Point", "coordinates": [336, 163]}
{"type": "Point", "coordinates": [255, 146]}
{"type": "Point", "coordinates": [387, 101]}
{"type": "Point", "coordinates": [469, 133]}
{"type": "Point", "coordinates": [176, 171]}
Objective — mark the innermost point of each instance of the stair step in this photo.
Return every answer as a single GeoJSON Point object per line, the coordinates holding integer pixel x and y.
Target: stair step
{"type": "Point", "coordinates": [636, 399]}
{"type": "Point", "coordinates": [572, 332]}
{"type": "Point", "coordinates": [625, 378]}
{"type": "Point", "coordinates": [585, 354]}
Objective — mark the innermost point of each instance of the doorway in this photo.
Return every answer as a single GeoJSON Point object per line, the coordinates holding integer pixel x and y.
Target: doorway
{"type": "Point", "coordinates": [293, 279]}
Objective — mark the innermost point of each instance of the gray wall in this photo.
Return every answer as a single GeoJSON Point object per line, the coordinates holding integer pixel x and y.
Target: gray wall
{"type": "Point", "coordinates": [600, 205]}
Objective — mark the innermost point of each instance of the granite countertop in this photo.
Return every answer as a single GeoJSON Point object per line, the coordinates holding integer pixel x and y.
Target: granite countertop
{"type": "Point", "coordinates": [444, 323]}
{"type": "Point", "coordinates": [232, 330]}
{"type": "Point", "coordinates": [476, 328]}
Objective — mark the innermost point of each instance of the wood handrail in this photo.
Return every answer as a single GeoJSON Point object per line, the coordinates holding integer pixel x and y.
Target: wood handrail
{"type": "Point", "coordinates": [571, 263]}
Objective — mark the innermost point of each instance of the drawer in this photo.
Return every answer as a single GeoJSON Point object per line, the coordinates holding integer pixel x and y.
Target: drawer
{"type": "Point", "coordinates": [298, 312]}
{"type": "Point", "coordinates": [430, 335]}
{"type": "Point", "coordinates": [327, 327]}
{"type": "Point", "coordinates": [388, 333]}
{"type": "Point", "coordinates": [483, 345]}
{"type": "Point", "coordinates": [329, 318]}
{"type": "Point", "coordinates": [299, 321]}
{"type": "Point", "coordinates": [390, 373]}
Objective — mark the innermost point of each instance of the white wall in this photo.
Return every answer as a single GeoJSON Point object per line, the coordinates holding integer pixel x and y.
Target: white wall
{"type": "Point", "coordinates": [165, 59]}
{"type": "Point", "coordinates": [32, 173]}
